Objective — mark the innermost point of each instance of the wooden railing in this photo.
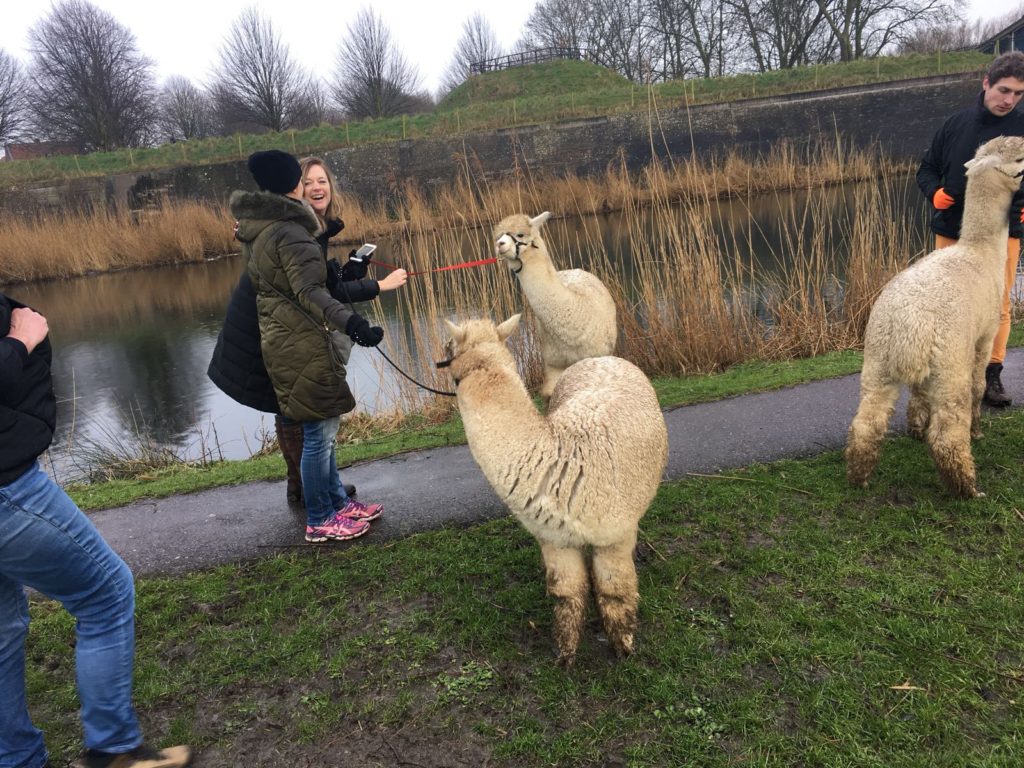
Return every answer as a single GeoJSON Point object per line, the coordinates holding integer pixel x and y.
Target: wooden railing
{"type": "Point", "coordinates": [525, 57]}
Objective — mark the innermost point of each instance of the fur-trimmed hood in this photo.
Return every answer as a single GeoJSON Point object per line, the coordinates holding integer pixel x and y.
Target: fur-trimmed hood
{"type": "Point", "coordinates": [255, 211]}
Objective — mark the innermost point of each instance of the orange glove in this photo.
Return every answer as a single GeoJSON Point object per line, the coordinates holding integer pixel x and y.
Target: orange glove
{"type": "Point", "coordinates": [941, 200]}
{"type": "Point", "coordinates": [1022, 215]}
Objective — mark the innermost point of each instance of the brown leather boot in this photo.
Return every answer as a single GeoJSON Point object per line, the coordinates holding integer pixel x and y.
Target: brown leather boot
{"type": "Point", "coordinates": [994, 395]}
{"type": "Point", "coordinates": [289, 437]}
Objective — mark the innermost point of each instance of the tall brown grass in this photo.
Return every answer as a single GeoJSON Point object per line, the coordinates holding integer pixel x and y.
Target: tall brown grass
{"type": "Point", "coordinates": [103, 240]}
{"type": "Point", "coordinates": [689, 302]}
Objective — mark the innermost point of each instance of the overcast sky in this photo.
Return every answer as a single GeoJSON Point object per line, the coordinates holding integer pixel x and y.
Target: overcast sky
{"type": "Point", "coordinates": [183, 36]}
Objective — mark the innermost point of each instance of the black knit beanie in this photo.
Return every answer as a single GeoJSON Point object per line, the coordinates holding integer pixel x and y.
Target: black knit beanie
{"type": "Point", "coordinates": [275, 171]}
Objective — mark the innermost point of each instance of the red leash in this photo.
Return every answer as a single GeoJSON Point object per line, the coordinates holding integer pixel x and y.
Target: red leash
{"type": "Point", "coordinates": [465, 264]}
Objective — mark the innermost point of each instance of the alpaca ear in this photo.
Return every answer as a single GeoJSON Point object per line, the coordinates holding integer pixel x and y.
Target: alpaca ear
{"type": "Point", "coordinates": [976, 164]}
{"type": "Point", "coordinates": [505, 329]}
{"type": "Point", "coordinates": [539, 220]}
{"type": "Point", "coordinates": [458, 334]}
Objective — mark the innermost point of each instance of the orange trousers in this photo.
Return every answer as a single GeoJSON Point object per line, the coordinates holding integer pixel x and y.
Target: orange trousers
{"type": "Point", "coordinates": [1005, 313]}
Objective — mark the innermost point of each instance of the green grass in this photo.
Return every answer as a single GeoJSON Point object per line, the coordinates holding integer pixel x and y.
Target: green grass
{"type": "Point", "coordinates": [786, 619]}
{"type": "Point", "coordinates": [541, 93]}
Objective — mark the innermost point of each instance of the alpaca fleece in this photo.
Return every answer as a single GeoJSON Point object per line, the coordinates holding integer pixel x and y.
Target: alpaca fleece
{"type": "Point", "coordinates": [578, 478]}
{"type": "Point", "coordinates": [574, 312]}
{"type": "Point", "coordinates": [932, 326]}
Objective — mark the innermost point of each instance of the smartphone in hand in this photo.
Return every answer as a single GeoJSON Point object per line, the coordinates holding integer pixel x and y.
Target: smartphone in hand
{"type": "Point", "coordinates": [363, 252]}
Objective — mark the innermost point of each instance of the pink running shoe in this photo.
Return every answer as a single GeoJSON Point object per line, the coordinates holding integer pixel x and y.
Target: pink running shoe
{"type": "Point", "coordinates": [336, 528]}
{"type": "Point", "coordinates": [363, 513]}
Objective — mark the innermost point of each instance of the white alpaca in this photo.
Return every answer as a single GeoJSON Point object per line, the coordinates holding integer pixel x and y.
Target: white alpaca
{"type": "Point", "coordinates": [574, 312]}
{"type": "Point", "coordinates": [580, 476]}
{"type": "Point", "coordinates": [932, 328]}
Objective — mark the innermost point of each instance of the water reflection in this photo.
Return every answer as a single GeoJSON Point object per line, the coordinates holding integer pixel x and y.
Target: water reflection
{"type": "Point", "coordinates": [130, 357]}
{"type": "Point", "coordinates": [131, 349]}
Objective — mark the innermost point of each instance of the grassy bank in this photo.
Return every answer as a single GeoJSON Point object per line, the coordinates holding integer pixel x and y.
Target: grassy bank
{"type": "Point", "coordinates": [541, 93]}
{"type": "Point", "coordinates": [786, 619]}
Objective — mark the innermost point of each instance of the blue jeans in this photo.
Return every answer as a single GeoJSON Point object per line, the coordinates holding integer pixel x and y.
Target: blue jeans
{"type": "Point", "coordinates": [47, 543]}
{"type": "Point", "coordinates": [321, 483]}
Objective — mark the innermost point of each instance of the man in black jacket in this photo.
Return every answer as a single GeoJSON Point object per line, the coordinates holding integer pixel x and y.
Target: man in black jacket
{"type": "Point", "coordinates": [47, 543]}
{"type": "Point", "coordinates": [943, 181]}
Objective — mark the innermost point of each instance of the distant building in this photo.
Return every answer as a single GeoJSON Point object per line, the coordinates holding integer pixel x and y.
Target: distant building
{"type": "Point", "coordinates": [35, 149]}
{"type": "Point", "coordinates": [1006, 40]}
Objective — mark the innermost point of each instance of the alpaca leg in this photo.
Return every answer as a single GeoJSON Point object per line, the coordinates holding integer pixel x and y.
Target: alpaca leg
{"type": "Point", "coordinates": [867, 430]}
{"type": "Point", "coordinates": [981, 359]}
{"type": "Point", "coordinates": [615, 587]}
{"type": "Point", "coordinates": [949, 437]}
{"type": "Point", "coordinates": [569, 585]}
{"type": "Point", "coordinates": [918, 413]}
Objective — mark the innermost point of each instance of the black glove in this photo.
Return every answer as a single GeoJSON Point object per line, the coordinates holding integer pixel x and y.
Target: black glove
{"type": "Point", "coordinates": [362, 333]}
{"type": "Point", "coordinates": [354, 270]}
{"type": "Point", "coordinates": [335, 274]}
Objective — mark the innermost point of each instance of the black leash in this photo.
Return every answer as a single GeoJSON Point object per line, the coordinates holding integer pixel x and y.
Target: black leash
{"type": "Point", "coordinates": [410, 378]}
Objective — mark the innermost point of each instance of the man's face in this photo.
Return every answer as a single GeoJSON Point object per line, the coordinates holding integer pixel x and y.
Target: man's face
{"type": "Point", "coordinates": [1002, 95]}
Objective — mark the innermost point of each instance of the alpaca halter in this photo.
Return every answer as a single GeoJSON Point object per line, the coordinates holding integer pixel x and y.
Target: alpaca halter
{"type": "Point", "coordinates": [1017, 175]}
{"type": "Point", "coordinates": [520, 244]}
{"type": "Point", "coordinates": [410, 378]}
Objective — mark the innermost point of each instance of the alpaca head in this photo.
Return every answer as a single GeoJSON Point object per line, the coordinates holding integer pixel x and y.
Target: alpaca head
{"type": "Point", "coordinates": [1005, 154]}
{"type": "Point", "coordinates": [517, 237]}
{"type": "Point", "coordinates": [477, 344]}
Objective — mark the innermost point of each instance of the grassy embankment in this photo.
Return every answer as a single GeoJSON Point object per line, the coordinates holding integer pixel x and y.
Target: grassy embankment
{"type": "Point", "coordinates": [786, 619]}
{"type": "Point", "coordinates": [540, 93]}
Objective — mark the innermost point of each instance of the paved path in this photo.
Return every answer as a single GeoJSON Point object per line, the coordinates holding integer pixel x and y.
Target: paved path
{"type": "Point", "coordinates": [429, 489]}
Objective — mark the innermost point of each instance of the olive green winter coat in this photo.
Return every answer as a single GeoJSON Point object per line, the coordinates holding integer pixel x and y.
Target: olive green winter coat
{"type": "Point", "coordinates": [299, 319]}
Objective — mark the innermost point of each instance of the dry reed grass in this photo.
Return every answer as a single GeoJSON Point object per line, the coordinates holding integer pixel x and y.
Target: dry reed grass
{"type": "Point", "coordinates": [80, 243]}
{"type": "Point", "coordinates": [691, 301]}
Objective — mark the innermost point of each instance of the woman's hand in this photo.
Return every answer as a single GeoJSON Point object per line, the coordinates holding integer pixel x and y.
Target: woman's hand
{"type": "Point", "coordinates": [394, 280]}
{"type": "Point", "coordinates": [28, 327]}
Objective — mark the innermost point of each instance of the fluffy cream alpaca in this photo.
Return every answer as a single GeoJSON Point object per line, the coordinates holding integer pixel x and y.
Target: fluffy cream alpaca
{"type": "Point", "coordinates": [932, 328]}
{"type": "Point", "coordinates": [579, 477]}
{"type": "Point", "coordinates": [575, 314]}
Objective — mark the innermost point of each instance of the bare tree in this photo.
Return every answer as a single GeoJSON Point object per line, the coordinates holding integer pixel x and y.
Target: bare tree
{"type": "Point", "coordinates": [783, 34]}
{"type": "Point", "coordinates": [314, 106]}
{"type": "Point", "coordinates": [185, 112]}
{"type": "Point", "coordinates": [621, 37]}
{"type": "Point", "coordinates": [866, 28]}
{"type": "Point", "coordinates": [996, 24]}
{"type": "Point", "coordinates": [559, 24]}
{"type": "Point", "coordinates": [257, 85]}
{"type": "Point", "coordinates": [372, 77]}
{"type": "Point", "coordinates": [478, 43]}
{"type": "Point", "coordinates": [89, 83]}
{"type": "Point", "coordinates": [932, 37]}
{"type": "Point", "coordinates": [690, 37]}
{"type": "Point", "coordinates": [12, 97]}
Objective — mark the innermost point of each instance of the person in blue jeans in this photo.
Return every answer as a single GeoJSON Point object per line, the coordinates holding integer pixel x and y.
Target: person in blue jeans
{"type": "Point", "coordinates": [47, 543]}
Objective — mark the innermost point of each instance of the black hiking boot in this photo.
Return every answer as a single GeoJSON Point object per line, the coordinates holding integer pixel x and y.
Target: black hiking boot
{"type": "Point", "coordinates": [995, 396]}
